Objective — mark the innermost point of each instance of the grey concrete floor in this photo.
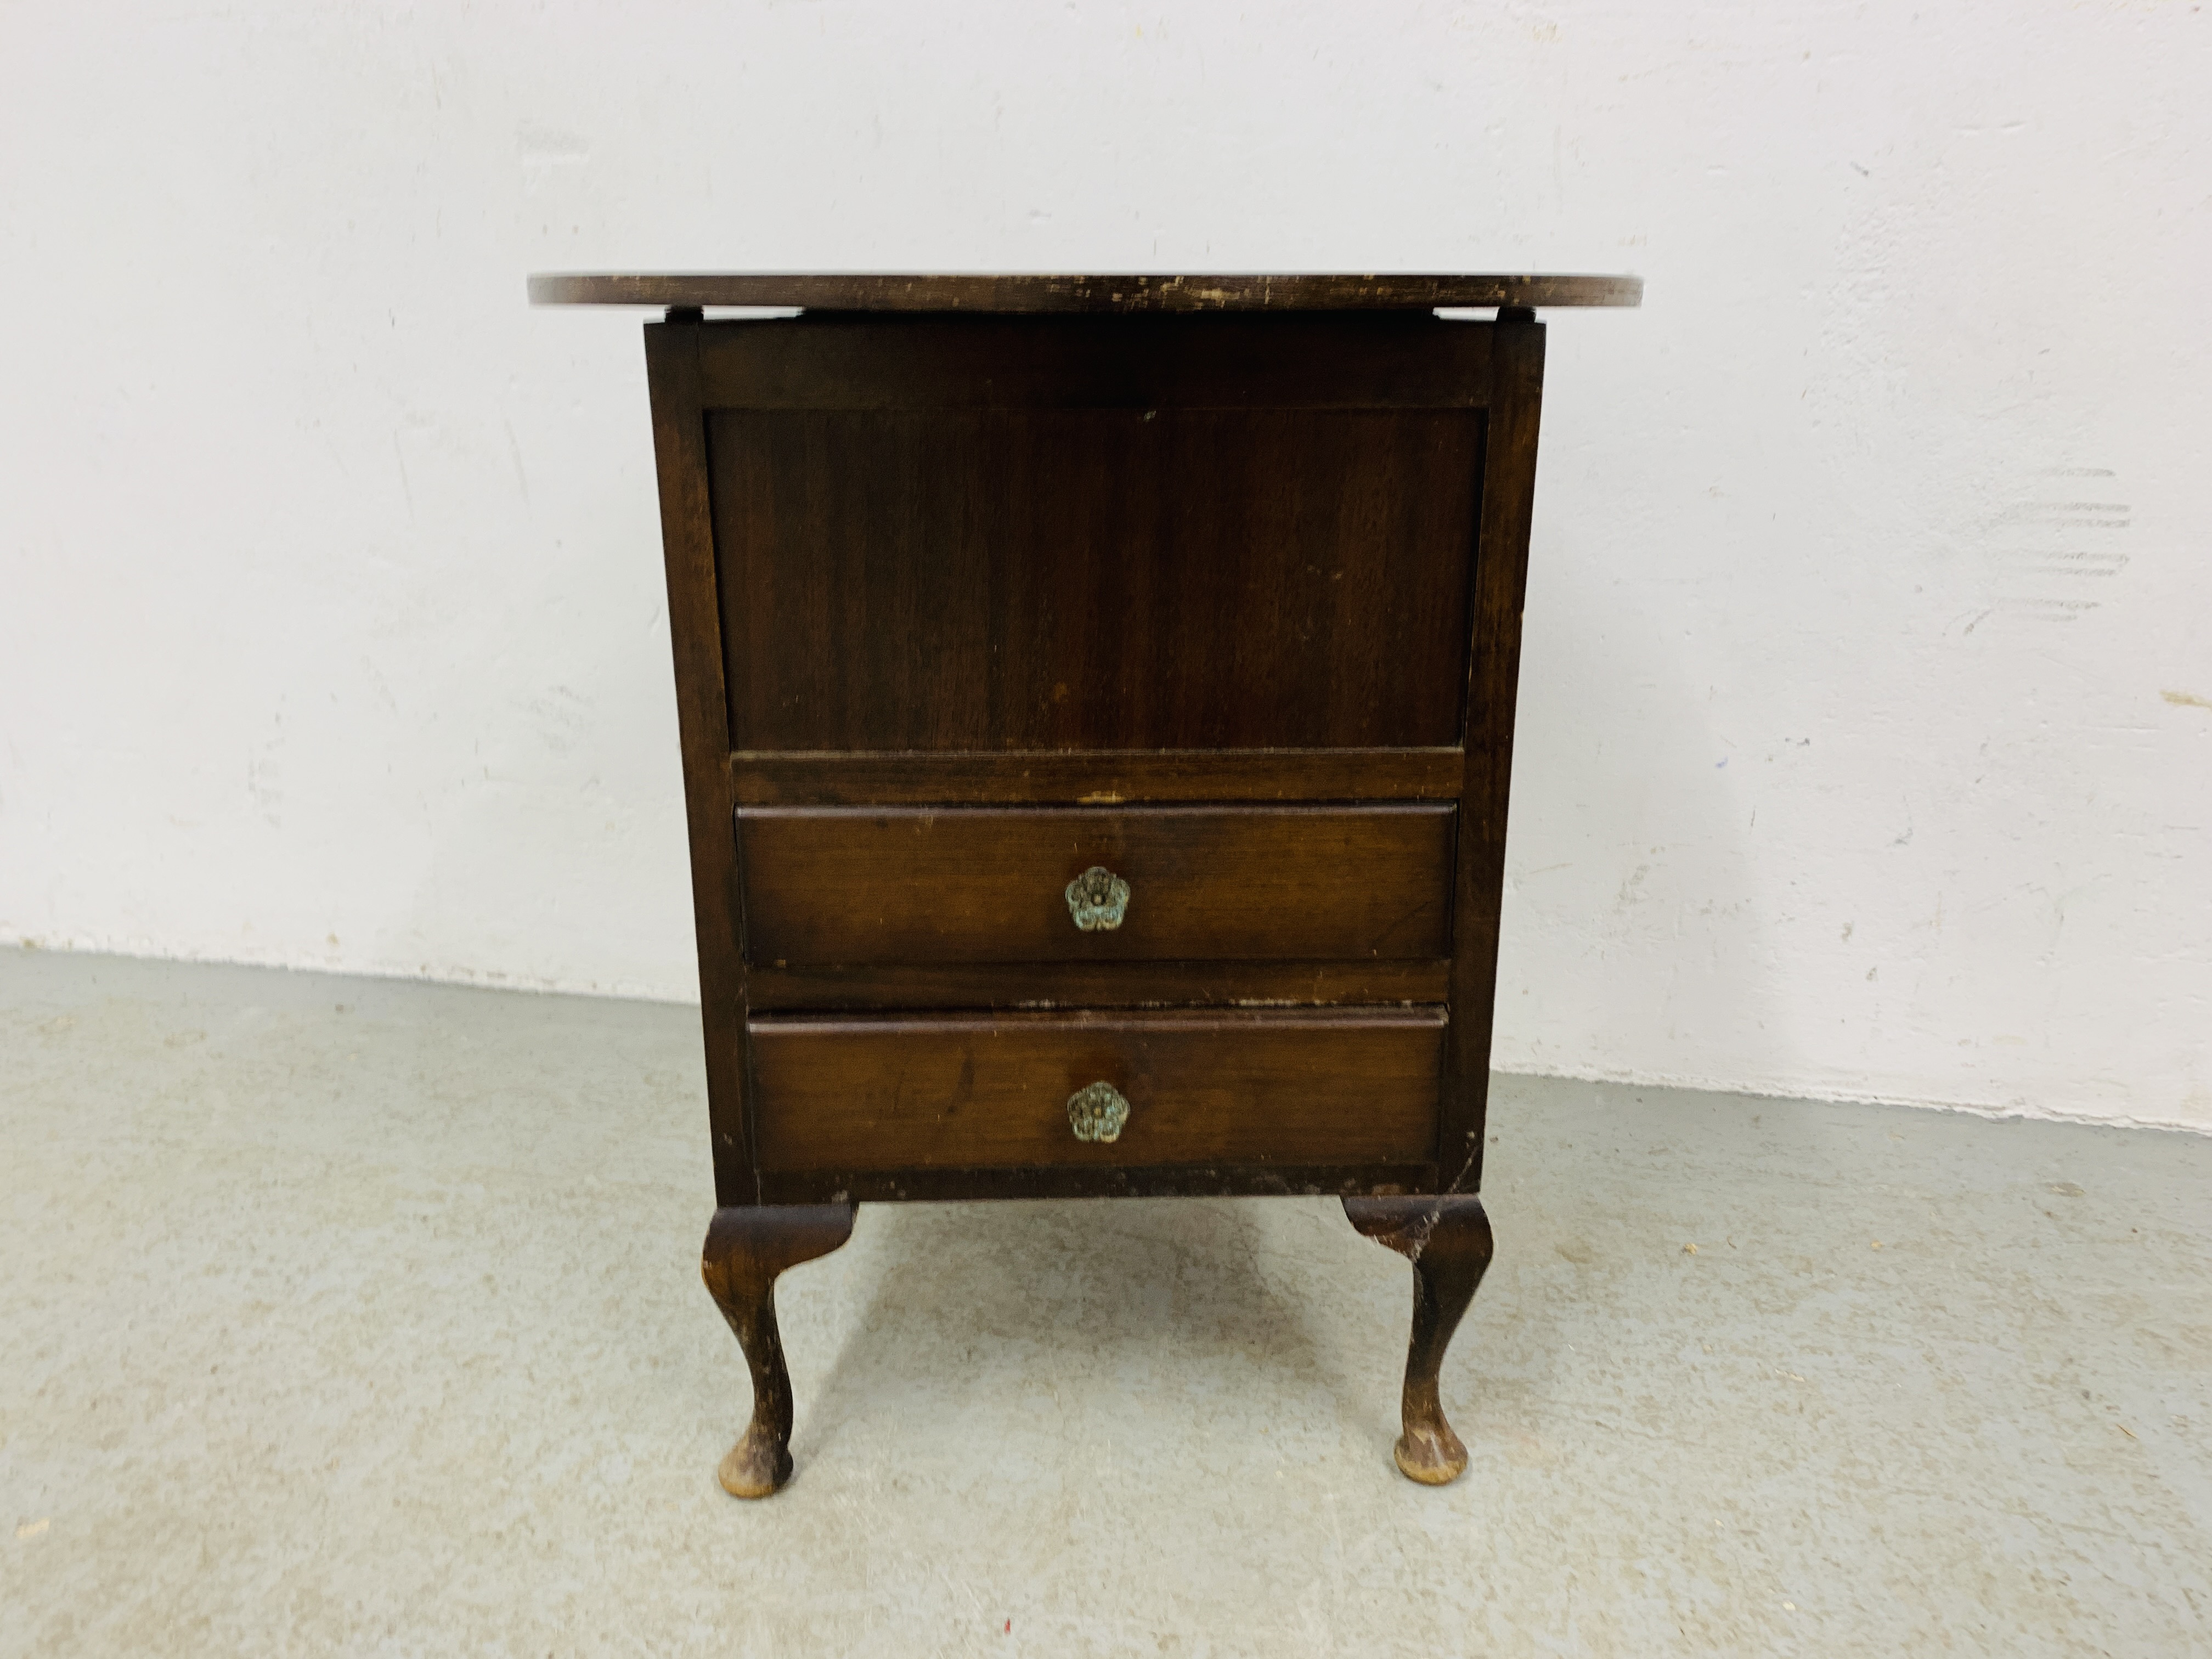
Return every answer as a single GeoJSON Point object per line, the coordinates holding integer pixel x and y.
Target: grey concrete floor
{"type": "Point", "coordinates": [347, 1316]}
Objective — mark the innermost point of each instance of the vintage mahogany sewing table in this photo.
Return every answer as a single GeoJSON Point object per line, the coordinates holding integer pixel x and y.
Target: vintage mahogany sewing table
{"type": "Point", "coordinates": [1096, 697]}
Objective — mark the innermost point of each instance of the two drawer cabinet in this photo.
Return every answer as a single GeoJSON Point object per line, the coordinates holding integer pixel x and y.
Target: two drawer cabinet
{"type": "Point", "coordinates": [1096, 702]}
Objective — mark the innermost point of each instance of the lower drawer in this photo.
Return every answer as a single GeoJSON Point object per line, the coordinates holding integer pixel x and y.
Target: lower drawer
{"type": "Point", "coordinates": [992, 1091]}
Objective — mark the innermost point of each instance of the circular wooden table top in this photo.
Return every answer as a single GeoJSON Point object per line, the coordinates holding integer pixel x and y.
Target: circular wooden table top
{"type": "Point", "coordinates": [870, 291]}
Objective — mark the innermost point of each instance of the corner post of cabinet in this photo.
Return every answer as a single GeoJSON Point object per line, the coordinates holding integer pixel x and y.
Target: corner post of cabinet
{"type": "Point", "coordinates": [1501, 572]}
{"type": "Point", "coordinates": [694, 627]}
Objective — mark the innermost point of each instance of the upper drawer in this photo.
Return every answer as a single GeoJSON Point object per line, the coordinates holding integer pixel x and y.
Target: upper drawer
{"type": "Point", "coordinates": [852, 885]}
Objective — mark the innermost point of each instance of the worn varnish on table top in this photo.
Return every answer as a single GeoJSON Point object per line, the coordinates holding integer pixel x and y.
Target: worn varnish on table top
{"type": "Point", "coordinates": [1128, 292]}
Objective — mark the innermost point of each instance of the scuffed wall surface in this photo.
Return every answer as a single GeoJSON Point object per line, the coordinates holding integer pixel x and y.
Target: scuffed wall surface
{"type": "Point", "coordinates": [1868, 714]}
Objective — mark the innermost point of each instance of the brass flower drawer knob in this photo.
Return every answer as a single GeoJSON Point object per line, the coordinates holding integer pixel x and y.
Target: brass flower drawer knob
{"type": "Point", "coordinates": [1098, 899]}
{"type": "Point", "coordinates": [1097, 1112]}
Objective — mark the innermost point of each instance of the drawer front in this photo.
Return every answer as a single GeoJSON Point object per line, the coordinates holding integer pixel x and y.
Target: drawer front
{"type": "Point", "coordinates": [860, 885]}
{"type": "Point", "coordinates": [1343, 1086]}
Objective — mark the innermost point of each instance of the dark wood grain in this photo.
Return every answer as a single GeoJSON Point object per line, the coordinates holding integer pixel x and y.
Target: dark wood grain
{"type": "Point", "coordinates": [985, 1092]}
{"type": "Point", "coordinates": [1094, 579]}
{"type": "Point", "coordinates": [1493, 657]}
{"type": "Point", "coordinates": [1448, 1240]}
{"type": "Point", "coordinates": [1379, 361]}
{"type": "Point", "coordinates": [747, 1247]}
{"type": "Point", "coordinates": [877, 291]}
{"type": "Point", "coordinates": [1097, 777]}
{"type": "Point", "coordinates": [1331, 1180]}
{"type": "Point", "coordinates": [701, 709]}
{"type": "Point", "coordinates": [1109, 985]}
{"type": "Point", "coordinates": [858, 886]}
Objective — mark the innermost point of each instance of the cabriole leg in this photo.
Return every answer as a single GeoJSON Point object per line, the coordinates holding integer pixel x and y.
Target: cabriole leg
{"type": "Point", "coordinates": [747, 1246]}
{"type": "Point", "coordinates": [1448, 1240]}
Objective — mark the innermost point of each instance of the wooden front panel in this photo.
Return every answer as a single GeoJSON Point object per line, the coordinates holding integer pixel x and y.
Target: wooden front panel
{"type": "Point", "coordinates": [991, 1092]}
{"type": "Point", "coordinates": [1303, 884]}
{"type": "Point", "coordinates": [1092, 777]}
{"type": "Point", "coordinates": [1344, 361]}
{"type": "Point", "coordinates": [1067, 578]}
{"type": "Point", "coordinates": [896, 985]}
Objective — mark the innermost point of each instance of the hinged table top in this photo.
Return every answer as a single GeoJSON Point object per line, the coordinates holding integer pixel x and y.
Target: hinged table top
{"type": "Point", "coordinates": [878, 291]}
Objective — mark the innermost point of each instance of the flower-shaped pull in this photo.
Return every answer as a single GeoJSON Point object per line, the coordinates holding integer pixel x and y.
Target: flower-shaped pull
{"type": "Point", "coordinates": [1098, 899]}
{"type": "Point", "coordinates": [1097, 1112]}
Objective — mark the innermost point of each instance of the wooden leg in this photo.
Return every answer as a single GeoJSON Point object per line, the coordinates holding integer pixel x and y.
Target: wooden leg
{"type": "Point", "coordinates": [747, 1247]}
{"type": "Point", "coordinates": [1448, 1240]}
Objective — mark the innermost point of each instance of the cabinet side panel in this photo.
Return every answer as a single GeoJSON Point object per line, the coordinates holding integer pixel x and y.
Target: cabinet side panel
{"type": "Point", "coordinates": [679, 441]}
{"type": "Point", "coordinates": [1508, 498]}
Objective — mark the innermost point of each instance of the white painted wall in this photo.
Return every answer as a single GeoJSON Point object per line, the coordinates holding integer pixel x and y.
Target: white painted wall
{"type": "Point", "coordinates": [1868, 715]}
